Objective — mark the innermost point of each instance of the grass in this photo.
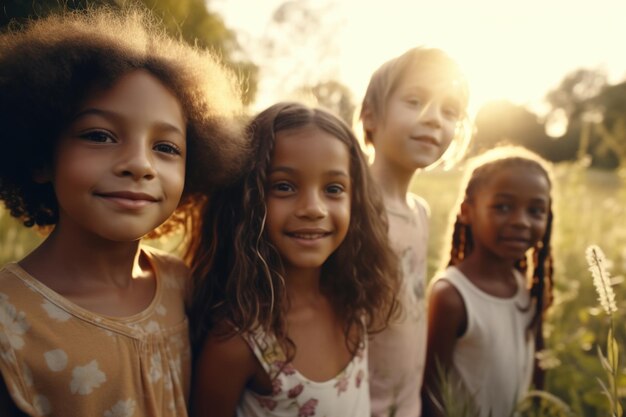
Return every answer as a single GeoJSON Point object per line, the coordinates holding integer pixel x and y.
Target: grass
{"type": "Point", "coordinates": [589, 208]}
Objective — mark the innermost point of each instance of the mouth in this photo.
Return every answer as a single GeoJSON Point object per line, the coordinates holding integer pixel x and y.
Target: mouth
{"type": "Point", "coordinates": [516, 241]}
{"type": "Point", "coordinates": [308, 234]}
{"type": "Point", "coordinates": [127, 199]}
{"type": "Point", "coordinates": [429, 140]}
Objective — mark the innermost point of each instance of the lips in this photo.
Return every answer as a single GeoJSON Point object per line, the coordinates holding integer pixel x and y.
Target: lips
{"type": "Point", "coordinates": [516, 241]}
{"type": "Point", "coordinates": [430, 140]}
{"type": "Point", "coordinates": [127, 200]}
{"type": "Point", "coordinates": [308, 234]}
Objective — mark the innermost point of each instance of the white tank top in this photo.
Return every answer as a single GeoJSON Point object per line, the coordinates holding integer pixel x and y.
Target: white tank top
{"type": "Point", "coordinates": [346, 395]}
{"type": "Point", "coordinates": [494, 358]}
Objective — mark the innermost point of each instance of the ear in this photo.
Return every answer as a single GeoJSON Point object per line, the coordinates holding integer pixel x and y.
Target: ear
{"type": "Point", "coordinates": [465, 215]}
{"type": "Point", "coordinates": [369, 120]}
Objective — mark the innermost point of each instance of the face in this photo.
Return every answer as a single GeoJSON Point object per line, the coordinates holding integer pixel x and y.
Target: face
{"type": "Point", "coordinates": [509, 213]}
{"type": "Point", "coordinates": [421, 119]}
{"type": "Point", "coordinates": [308, 196]}
{"type": "Point", "coordinates": [119, 167]}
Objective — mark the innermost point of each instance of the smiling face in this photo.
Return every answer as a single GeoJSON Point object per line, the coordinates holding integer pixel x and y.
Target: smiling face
{"type": "Point", "coordinates": [308, 196]}
{"type": "Point", "coordinates": [420, 121]}
{"type": "Point", "coordinates": [508, 214]}
{"type": "Point", "coordinates": [119, 167]}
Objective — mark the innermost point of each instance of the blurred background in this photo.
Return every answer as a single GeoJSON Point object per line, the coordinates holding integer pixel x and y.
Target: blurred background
{"type": "Point", "coordinates": [548, 75]}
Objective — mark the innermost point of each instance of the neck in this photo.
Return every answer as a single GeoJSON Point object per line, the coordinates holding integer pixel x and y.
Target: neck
{"type": "Point", "coordinates": [393, 182]}
{"type": "Point", "coordinates": [302, 284]}
{"type": "Point", "coordinates": [82, 259]}
{"type": "Point", "coordinates": [490, 266]}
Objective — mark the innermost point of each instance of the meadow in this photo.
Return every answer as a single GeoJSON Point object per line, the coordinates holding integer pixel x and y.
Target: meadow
{"type": "Point", "coordinates": [589, 208]}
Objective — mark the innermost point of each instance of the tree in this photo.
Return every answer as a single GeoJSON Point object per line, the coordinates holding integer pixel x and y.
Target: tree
{"type": "Point", "coordinates": [501, 122]}
{"type": "Point", "coordinates": [596, 116]}
{"type": "Point", "coordinates": [333, 96]}
{"type": "Point", "coordinates": [187, 19]}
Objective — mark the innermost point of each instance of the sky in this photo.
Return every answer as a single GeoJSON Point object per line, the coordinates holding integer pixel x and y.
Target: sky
{"type": "Point", "coordinates": [513, 50]}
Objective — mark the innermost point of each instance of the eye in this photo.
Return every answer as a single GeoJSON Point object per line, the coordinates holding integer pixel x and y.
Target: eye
{"type": "Point", "coordinates": [98, 136]}
{"type": "Point", "coordinates": [335, 189]}
{"type": "Point", "coordinates": [537, 211]}
{"type": "Point", "coordinates": [282, 188]}
{"type": "Point", "coordinates": [451, 112]}
{"type": "Point", "coordinates": [502, 207]}
{"type": "Point", "coordinates": [168, 148]}
{"type": "Point", "coordinates": [413, 101]}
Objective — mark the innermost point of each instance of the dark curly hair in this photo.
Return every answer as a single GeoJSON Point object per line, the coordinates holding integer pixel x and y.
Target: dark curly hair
{"type": "Point", "coordinates": [48, 66]}
{"type": "Point", "coordinates": [238, 274]}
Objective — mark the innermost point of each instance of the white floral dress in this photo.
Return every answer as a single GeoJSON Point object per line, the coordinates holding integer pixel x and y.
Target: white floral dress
{"type": "Point", "coordinates": [58, 359]}
{"type": "Point", "coordinates": [294, 395]}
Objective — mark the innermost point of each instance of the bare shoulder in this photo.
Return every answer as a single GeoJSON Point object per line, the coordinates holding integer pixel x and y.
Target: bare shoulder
{"type": "Point", "coordinates": [443, 295]}
{"type": "Point", "coordinates": [446, 309]}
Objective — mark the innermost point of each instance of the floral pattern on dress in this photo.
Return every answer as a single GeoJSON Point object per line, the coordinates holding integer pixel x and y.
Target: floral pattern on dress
{"type": "Point", "coordinates": [123, 408]}
{"type": "Point", "coordinates": [308, 408]}
{"type": "Point", "coordinates": [12, 323]}
{"type": "Point", "coordinates": [86, 378]}
{"type": "Point", "coordinates": [294, 395]}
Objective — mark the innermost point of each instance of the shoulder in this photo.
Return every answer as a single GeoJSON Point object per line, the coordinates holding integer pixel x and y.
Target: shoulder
{"type": "Point", "coordinates": [419, 204]}
{"type": "Point", "coordinates": [167, 264]}
{"type": "Point", "coordinates": [444, 295]}
{"type": "Point", "coordinates": [447, 311]}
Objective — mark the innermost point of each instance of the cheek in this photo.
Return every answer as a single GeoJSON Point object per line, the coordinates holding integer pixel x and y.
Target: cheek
{"type": "Point", "coordinates": [173, 178]}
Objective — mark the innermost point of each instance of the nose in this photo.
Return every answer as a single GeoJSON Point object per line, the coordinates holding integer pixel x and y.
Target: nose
{"type": "Point", "coordinates": [521, 219]}
{"type": "Point", "coordinates": [431, 114]}
{"type": "Point", "coordinates": [311, 206]}
{"type": "Point", "coordinates": [136, 160]}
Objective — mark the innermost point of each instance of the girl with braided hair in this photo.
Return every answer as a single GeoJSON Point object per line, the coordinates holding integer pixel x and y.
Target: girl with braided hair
{"type": "Point", "coordinates": [485, 311]}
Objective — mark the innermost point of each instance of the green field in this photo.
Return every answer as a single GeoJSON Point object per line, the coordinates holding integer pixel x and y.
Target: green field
{"type": "Point", "coordinates": [590, 208]}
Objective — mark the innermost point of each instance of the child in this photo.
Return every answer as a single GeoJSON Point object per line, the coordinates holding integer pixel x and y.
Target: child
{"type": "Point", "coordinates": [482, 318]}
{"type": "Point", "coordinates": [285, 307]}
{"type": "Point", "coordinates": [108, 127]}
{"type": "Point", "coordinates": [414, 107]}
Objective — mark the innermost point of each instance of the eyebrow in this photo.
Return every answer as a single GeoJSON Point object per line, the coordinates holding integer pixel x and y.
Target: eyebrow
{"type": "Point", "coordinates": [512, 196]}
{"type": "Point", "coordinates": [107, 114]}
{"type": "Point", "coordinates": [289, 170]}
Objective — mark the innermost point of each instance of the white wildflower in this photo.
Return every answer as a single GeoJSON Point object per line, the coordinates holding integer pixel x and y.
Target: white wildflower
{"type": "Point", "coordinates": [601, 278]}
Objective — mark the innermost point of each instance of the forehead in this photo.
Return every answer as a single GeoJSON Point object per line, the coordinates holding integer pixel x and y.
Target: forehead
{"type": "Point", "coordinates": [310, 147]}
{"type": "Point", "coordinates": [137, 94]}
{"type": "Point", "coordinates": [517, 181]}
{"type": "Point", "coordinates": [433, 79]}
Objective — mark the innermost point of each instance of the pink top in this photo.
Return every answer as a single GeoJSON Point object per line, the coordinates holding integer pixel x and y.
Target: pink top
{"type": "Point", "coordinates": [397, 355]}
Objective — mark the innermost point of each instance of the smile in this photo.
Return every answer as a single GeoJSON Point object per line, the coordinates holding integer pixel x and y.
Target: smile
{"type": "Point", "coordinates": [308, 235]}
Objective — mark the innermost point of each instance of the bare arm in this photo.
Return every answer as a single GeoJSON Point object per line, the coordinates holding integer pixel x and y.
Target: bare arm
{"type": "Point", "coordinates": [223, 369]}
{"type": "Point", "coordinates": [447, 321]}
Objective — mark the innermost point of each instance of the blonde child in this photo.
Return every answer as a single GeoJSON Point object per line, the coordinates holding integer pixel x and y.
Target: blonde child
{"type": "Point", "coordinates": [291, 274]}
{"type": "Point", "coordinates": [483, 319]}
{"type": "Point", "coordinates": [108, 128]}
{"type": "Point", "coordinates": [413, 110]}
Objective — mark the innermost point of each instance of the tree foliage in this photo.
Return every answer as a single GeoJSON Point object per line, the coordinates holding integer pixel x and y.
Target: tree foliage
{"type": "Point", "coordinates": [186, 19]}
{"type": "Point", "coordinates": [591, 114]}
